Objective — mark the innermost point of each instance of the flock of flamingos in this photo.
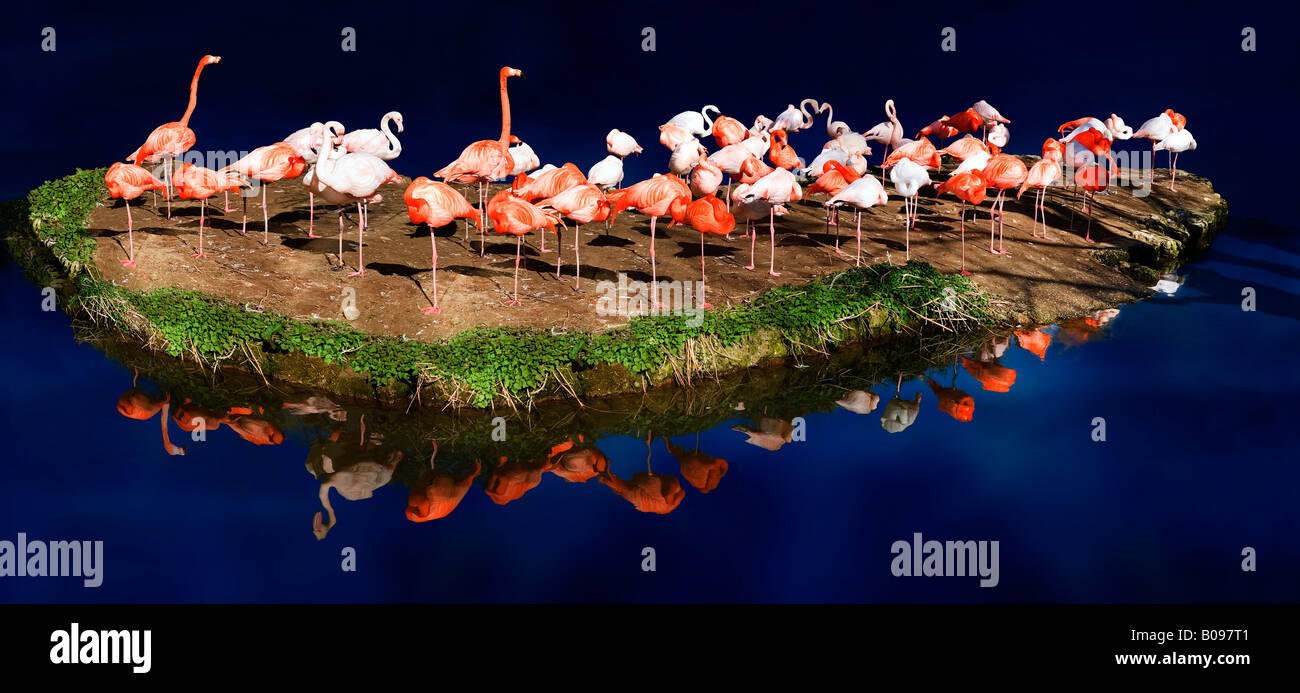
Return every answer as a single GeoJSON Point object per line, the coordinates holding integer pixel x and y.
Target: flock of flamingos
{"type": "Point", "coordinates": [346, 168]}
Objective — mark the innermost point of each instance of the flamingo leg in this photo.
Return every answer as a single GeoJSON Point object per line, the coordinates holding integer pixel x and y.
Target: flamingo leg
{"type": "Point", "coordinates": [243, 226]}
{"type": "Point", "coordinates": [750, 266]}
{"type": "Point", "coordinates": [703, 277]}
{"type": "Point", "coordinates": [518, 243]}
{"type": "Point", "coordinates": [654, 276]}
{"type": "Point", "coordinates": [203, 205]}
{"type": "Point", "coordinates": [167, 173]}
{"type": "Point", "coordinates": [130, 236]}
{"type": "Point", "coordinates": [858, 261]}
{"type": "Point", "coordinates": [771, 228]}
{"type": "Point", "coordinates": [1002, 203]}
{"type": "Point", "coordinates": [963, 239]}
{"type": "Point", "coordinates": [1173, 172]}
{"type": "Point", "coordinates": [482, 239]}
{"type": "Point", "coordinates": [361, 241]}
{"type": "Point", "coordinates": [577, 259]}
{"type": "Point", "coordinates": [1088, 234]}
{"type": "Point", "coordinates": [559, 256]}
{"type": "Point", "coordinates": [266, 219]}
{"type": "Point", "coordinates": [311, 215]}
{"type": "Point", "coordinates": [340, 265]}
{"type": "Point", "coordinates": [907, 228]}
{"type": "Point", "coordinates": [435, 309]}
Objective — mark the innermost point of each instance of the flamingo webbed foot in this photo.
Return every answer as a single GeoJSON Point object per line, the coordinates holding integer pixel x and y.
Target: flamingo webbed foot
{"type": "Point", "coordinates": [432, 310]}
{"type": "Point", "coordinates": [513, 303]}
{"type": "Point", "coordinates": [129, 263]}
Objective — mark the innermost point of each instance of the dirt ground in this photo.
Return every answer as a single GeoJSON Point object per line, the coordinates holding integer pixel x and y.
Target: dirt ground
{"type": "Point", "coordinates": [293, 275]}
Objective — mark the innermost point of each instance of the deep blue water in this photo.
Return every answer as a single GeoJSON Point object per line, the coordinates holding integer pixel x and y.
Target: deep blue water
{"type": "Point", "coordinates": [1199, 462]}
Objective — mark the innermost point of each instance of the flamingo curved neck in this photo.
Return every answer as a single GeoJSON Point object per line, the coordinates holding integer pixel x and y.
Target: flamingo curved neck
{"type": "Point", "coordinates": [394, 146]}
{"type": "Point", "coordinates": [505, 111]}
{"type": "Point", "coordinates": [194, 92]}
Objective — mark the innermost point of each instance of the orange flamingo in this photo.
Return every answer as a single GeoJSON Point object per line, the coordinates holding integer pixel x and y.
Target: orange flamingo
{"type": "Point", "coordinates": [920, 151]}
{"type": "Point", "coordinates": [511, 480]}
{"type": "Point", "coordinates": [438, 493]}
{"type": "Point", "coordinates": [701, 470]}
{"type": "Point", "coordinates": [583, 204]}
{"type": "Point", "coordinates": [577, 463]}
{"type": "Point", "coordinates": [141, 406]}
{"type": "Point", "coordinates": [968, 186]}
{"type": "Point", "coordinates": [198, 183]}
{"type": "Point", "coordinates": [547, 184]}
{"type": "Point", "coordinates": [268, 164]}
{"type": "Point", "coordinates": [128, 181]}
{"type": "Point", "coordinates": [169, 140]}
{"type": "Point", "coordinates": [708, 215]}
{"type": "Point", "coordinates": [967, 121]}
{"type": "Point", "coordinates": [436, 204]}
{"type": "Point", "coordinates": [485, 160]}
{"type": "Point", "coordinates": [780, 153]}
{"type": "Point", "coordinates": [1002, 172]}
{"type": "Point", "coordinates": [653, 197]}
{"type": "Point", "coordinates": [1035, 342]}
{"type": "Point", "coordinates": [516, 217]}
{"type": "Point", "coordinates": [834, 179]}
{"type": "Point", "coordinates": [1043, 173]}
{"type": "Point", "coordinates": [953, 402]}
{"type": "Point", "coordinates": [965, 148]}
{"type": "Point", "coordinates": [728, 131]}
{"type": "Point", "coordinates": [939, 128]}
{"type": "Point", "coordinates": [992, 375]}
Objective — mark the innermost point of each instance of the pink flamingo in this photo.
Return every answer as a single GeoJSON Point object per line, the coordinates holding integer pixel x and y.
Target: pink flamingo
{"type": "Point", "coordinates": [436, 204]}
{"type": "Point", "coordinates": [198, 183]}
{"type": "Point", "coordinates": [775, 188]}
{"type": "Point", "coordinates": [128, 181]}
{"type": "Point", "coordinates": [516, 217]}
{"type": "Point", "coordinates": [1002, 172]}
{"type": "Point", "coordinates": [1042, 174]}
{"type": "Point", "coordinates": [306, 143]}
{"type": "Point", "coordinates": [968, 186]}
{"type": "Point", "coordinates": [653, 197]}
{"type": "Point", "coordinates": [268, 164]}
{"type": "Point", "coordinates": [708, 215]}
{"type": "Point", "coordinates": [834, 179]}
{"type": "Point", "coordinates": [862, 193]}
{"type": "Point", "coordinates": [547, 184]}
{"type": "Point", "coordinates": [169, 140]}
{"type": "Point", "coordinates": [485, 160]}
{"type": "Point", "coordinates": [706, 178]}
{"type": "Point", "coordinates": [352, 178]}
{"type": "Point", "coordinates": [381, 143]}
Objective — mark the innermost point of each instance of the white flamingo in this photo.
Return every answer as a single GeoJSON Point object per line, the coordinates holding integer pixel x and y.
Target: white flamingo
{"type": "Point", "coordinates": [351, 178]}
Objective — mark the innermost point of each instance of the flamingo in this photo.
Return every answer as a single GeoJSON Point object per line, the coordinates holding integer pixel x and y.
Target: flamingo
{"type": "Point", "coordinates": [780, 153]}
{"type": "Point", "coordinates": [198, 183]}
{"type": "Point", "coordinates": [436, 204]}
{"type": "Point", "coordinates": [968, 186]}
{"type": "Point", "coordinates": [758, 144]}
{"type": "Point", "coordinates": [685, 156]}
{"type": "Point", "coordinates": [964, 148]}
{"type": "Point", "coordinates": [653, 197]}
{"type": "Point", "coordinates": [485, 160]}
{"type": "Point", "coordinates": [352, 177]}
{"type": "Point", "coordinates": [381, 143]}
{"type": "Point", "coordinates": [967, 121]}
{"type": "Point", "coordinates": [516, 217]}
{"type": "Point", "coordinates": [1156, 129]}
{"type": "Point", "coordinates": [753, 168]}
{"type": "Point", "coordinates": [606, 173]}
{"type": "Point", "coordinates": [752, 210]}
{"type": "Point", "coordinates": [998, 136]}
{"type": "Point", "coordinates": [583, 204]}
{"type": "Point", "coordinates": [697, 123]}
{"type": "Point", "coordinates": [920, 151]}
{"type": "Point", "coordinates": [621, 144]}
{"type": "Point", "coordinates": [1042, 174]}
{"type": "Point", "coordinates": [908, 177]}
{"type": "Point", "coordinates": [729, 159]}
{"type": "Point", "coordinates": [709, 215]}
{"type": "Point", "coordinates": [169, 140]}
{"type": "Point", "coordinates": [525, 159]}
{"type": "Point", "coordinates": [834, 128]}
{"type": "Point", "coordinates": [306, 143]}
{"type": "Point", "coordinates": [705, 178]}
{"type": "Point", "coordinates": [728, 131]}
{"type": "Point", "coordinates": [775, 188]}
{"type": "Point", "coordinates": [989, 115]}
{"type": "Point", "coordinates": [671, 135]}
{"type": "Point", "coordinates": [888, 133]}
{"type": "Point", "coordinates": [862, 193]}
{"type": "Point", "coordinates": [834, 179]}
{"type": "Point", "coordinates": [794, 119]}
{"type": "Point", "coordinates": [939, 128]}
{"type": "Point", "coordinates": [268, 164]}
{"type": "Point", "coordinates": [1002, 172]}
{"type": "Point", "coordinates": [1176, 143]}
{"type": "Point", "coordinates": [128, 181]}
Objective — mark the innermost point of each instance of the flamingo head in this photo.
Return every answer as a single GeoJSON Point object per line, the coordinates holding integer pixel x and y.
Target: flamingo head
{"type": "Point", "coordinates": [1117, 127]}
{"type": "Point", "coordinates": [211, 59]}
{"type": "Point", "coordinates": [512, 72]}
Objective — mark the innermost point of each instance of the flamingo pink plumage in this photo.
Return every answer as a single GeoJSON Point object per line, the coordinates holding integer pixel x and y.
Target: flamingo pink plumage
{"type": "Point", "coordinates": [268, 164]}
{"type": "Point", "coordinates": [436, 204]}
{"type": "Point", "coordinates": [128, 181]}
{"type": "Point", "coordinates": [198, 183]}
{"type": "Point", "coordinates": [516, 217]}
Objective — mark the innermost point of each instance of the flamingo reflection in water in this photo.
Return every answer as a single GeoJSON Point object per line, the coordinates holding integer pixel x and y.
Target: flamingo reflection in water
{"type": "Point", "coordinates": [349, 466]}
{"type": "Point", "coordinates": [438, 492]}
{"type": "Point", "coordinates": [900, 413]}
{"type": "Point", "coordinates": [647, 491]}
{"type": "Point", "coordinates": [703, 471]}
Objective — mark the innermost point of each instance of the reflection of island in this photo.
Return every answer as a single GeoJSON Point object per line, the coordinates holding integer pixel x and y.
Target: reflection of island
{"type": "Point", "coordinates": [352, 463]}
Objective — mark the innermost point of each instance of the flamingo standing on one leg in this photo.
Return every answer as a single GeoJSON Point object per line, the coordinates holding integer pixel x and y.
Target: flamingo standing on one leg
{"type": "Point", "coordinates": [1155, 130]}
{"type": "Point", "coordinates": [606, 173]}
{"type": "Point", "coordinates": [1177, 143]}
{"type": "Point", "coordinates": [752, 210]}
{"type": "Point", "coordinates": [485, 160]}
{"type": "Point", "coordinates": [653, 197]}
{"type": "Point", "coordinates": [968, 186]}
{"type": "Point", "coordinates": [306, 143]}
{"type": "Point", "coordinates": [775, 188]}
{"type": "Point", "coordinates": [908, 177]}
{"type": "Point", "coordinates": [728, 131]}
{"type": "Point", "coordinates": [583, 204]}
{"type": "Point", "coordinates": [862, 193]}
{"type": "Point", "coordinates": [436, 204]}
{"type": "Point", "coordinates": [198, 183]}
{"type": "Point", "coordinates": [549, 183]}
{"type": "Point", "coordinates": [888, 133]}
{"type": "Point", "coordinates": [170, 140]}
{"type": "Point", "coordinates": [1092, 179]}
{"type": "Point", "coordinates": [708, 215]}
{"type": "Point", "coordinates": [352, 177]}
{"type": "Point", "coordinates": [1002, 172]}
{"type": "Point", "coordinates": [268, 164]}
{"type": "Point", "coordinates": [128, 181]}
{"type": "Point", "coordinates": [516, 217]}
